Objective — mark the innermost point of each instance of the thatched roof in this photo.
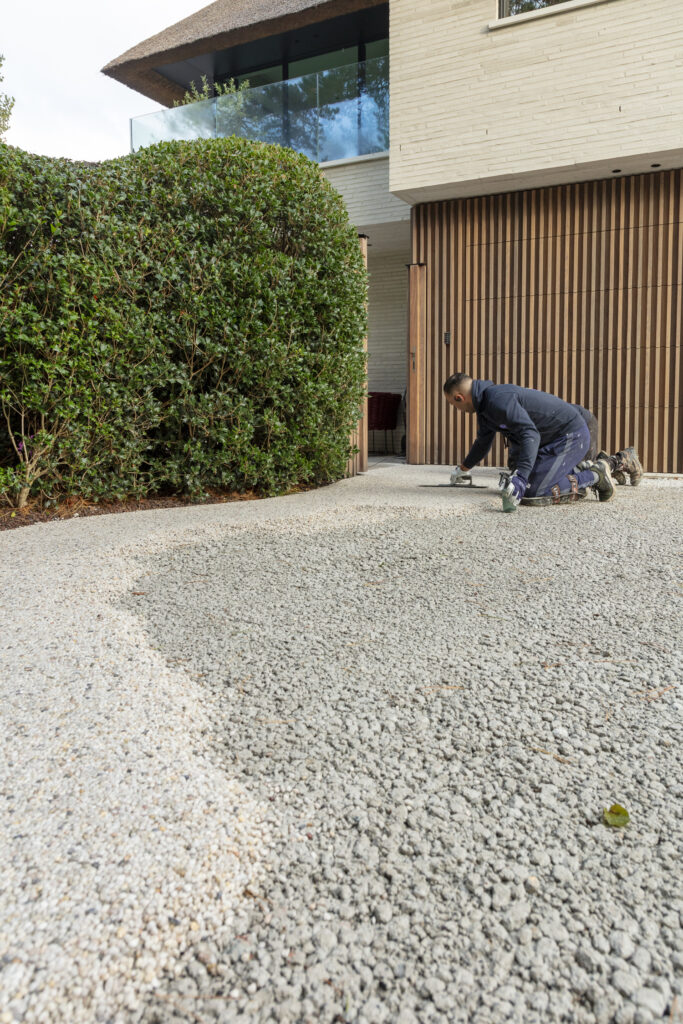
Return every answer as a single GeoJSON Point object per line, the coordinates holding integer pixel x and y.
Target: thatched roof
{"type": "Point", "coordinates": [221, 25]}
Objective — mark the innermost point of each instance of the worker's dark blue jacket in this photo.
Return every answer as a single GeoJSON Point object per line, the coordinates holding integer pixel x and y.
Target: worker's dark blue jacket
{"type": "Point", "coordinates": [530, 419]}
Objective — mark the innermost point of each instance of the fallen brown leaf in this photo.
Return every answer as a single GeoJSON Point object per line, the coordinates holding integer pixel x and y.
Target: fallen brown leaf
{"type": "Point", "coordinates": [614, 661]}
{"type": "Point", "coordinates": [431, 689]}
{"type": "Point", "coordinates": [654, 694]}
{"type": "Point", "coordinates": [558, 757]}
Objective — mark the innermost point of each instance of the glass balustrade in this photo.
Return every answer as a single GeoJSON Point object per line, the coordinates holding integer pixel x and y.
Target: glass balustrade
{"type": "Point", "coordinates": [329, 115]}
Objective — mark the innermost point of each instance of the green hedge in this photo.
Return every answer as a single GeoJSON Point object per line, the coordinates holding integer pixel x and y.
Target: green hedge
{"type": "Point", "coordinates": [185, 319]}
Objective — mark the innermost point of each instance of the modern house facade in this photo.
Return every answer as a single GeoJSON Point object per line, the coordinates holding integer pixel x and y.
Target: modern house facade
{"type": "Point", "coordinates": [522, 158]}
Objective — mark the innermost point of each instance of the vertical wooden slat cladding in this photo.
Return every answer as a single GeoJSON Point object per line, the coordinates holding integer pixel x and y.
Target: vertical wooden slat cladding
{"type": "Point", "coordinates": [577, 290]}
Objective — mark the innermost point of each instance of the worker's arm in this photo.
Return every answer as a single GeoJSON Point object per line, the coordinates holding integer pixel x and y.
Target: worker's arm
{"type": "Point", "coordinates": [522, 430]}
{"type": "Point", "coordinates": [480, 448]}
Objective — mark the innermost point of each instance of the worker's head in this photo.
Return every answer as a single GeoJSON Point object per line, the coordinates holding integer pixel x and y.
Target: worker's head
{"type": "Point", "coordinates": [458, 392]}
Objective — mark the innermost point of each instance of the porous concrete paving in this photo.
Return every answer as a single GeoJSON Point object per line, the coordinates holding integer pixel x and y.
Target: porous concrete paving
{"type": "Point", "coordinates": [343, 756]}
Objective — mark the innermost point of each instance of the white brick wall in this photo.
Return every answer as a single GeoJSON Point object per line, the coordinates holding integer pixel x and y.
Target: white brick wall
{"type": "Point", "coordinates": [364, 185]}
{"type": "Point", "coordinates": [558, 98]}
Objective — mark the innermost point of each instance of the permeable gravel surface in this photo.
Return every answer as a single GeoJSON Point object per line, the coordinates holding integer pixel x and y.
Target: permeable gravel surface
{"type": "Point", "coordinates": [343, 757]}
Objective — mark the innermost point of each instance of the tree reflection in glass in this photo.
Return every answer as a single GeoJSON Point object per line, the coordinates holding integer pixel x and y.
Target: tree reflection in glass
{"type": "Point", "coordinates": [508, 8]}
{"type": "Point", "coordinates": [327, 115]}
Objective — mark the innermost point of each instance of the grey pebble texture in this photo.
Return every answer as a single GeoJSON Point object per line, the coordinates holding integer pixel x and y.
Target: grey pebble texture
{"type": "Point", "coordinates": [343, 757]}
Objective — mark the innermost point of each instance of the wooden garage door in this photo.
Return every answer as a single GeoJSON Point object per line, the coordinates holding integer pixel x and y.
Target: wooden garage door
{"type": "Point", "coordinates": [577, 290]}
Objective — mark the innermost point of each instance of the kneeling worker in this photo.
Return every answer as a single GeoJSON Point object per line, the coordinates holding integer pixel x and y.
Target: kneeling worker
{"type": "Point", "coordinates": [550, 436]}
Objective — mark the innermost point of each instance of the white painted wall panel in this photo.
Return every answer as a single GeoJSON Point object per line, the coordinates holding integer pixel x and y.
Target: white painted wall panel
{"type": "Point", "coordinates": [387, 331]}
{"type": "Point", "coordinates": [388, 322]}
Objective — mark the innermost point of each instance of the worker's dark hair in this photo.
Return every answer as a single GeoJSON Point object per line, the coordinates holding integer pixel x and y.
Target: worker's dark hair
{"type": "Point", "coordinates": [454, 382]}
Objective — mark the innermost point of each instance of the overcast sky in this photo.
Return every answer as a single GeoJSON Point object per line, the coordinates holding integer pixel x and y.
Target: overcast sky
{"type": "Point", "coordinates": [54, 50]}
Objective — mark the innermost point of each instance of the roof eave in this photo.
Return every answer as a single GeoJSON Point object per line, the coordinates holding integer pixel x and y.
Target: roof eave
{"type": "Point", "coordinates": [148, 82]}
{"type": "Point", "coordinates": [140, 74]}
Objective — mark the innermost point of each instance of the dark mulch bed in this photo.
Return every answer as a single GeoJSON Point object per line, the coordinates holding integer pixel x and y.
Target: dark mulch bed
{"type": "Point", "coordinates": [71, 508]}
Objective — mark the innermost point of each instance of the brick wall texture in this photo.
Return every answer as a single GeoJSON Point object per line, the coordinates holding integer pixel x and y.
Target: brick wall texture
{"type": "Point", "coordinates": [364, 185]}
{"type": "Point", "coordinates": [555, 99]}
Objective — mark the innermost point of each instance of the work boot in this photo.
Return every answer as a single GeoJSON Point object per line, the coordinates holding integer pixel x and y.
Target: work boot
{"type": "Point", "coordinates": [629, 463]}
{"type": "Point", "coordinates": [612, 461]}
{"type": "Point", "coordinates": [604, 488]}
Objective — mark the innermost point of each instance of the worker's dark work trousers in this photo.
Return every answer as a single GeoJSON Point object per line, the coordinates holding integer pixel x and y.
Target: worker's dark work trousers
{"type": "Point", "coordinates": [593, 428]}
{"type": "Point", "coordinates": [555, 461]}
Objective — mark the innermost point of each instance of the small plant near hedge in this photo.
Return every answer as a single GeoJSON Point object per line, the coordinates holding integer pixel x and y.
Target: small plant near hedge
{"type": "Point", "coordinates": [184, 319]}
{"type": "Point", "coordinates": [209, 90]}
{"type": "Point", "coordinates": [6, 105]}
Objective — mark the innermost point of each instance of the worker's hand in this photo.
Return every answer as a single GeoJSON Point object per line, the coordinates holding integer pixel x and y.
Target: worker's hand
{"type": "Point", "coordinates": [513, 486]}
{"type": "Point", "coordinates": [516, 487]}
{"type": "Point", "coordinates": [458, 473]}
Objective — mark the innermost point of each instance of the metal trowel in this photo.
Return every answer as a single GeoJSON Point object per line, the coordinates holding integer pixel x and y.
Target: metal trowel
{"type": "Point", "coordinates": [463, 480]}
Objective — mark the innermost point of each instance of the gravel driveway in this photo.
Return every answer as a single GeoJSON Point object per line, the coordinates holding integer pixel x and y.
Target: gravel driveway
{"type": "Point", "coordinates": [343, 757]}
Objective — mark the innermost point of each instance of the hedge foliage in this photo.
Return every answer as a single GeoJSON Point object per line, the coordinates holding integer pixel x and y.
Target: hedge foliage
{"type": "Point", "coordinates": [184, 319]}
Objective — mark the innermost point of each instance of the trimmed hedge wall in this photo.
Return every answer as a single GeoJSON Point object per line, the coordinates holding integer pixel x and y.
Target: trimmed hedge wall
{"type": "Point", "coordinates": [185, 319]}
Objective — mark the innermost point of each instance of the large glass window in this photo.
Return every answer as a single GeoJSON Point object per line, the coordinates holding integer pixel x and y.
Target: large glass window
{"type": "Point", "coordinates": [380, 48]}
{"type": "Point", "coordinates": [324, 62]}
{"type": "Point", "coordinates": [508, 8]}
{"type": "Point", "coordinates": [344, 58]}
{"type": "Point", "coordinates": [266, 76]}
